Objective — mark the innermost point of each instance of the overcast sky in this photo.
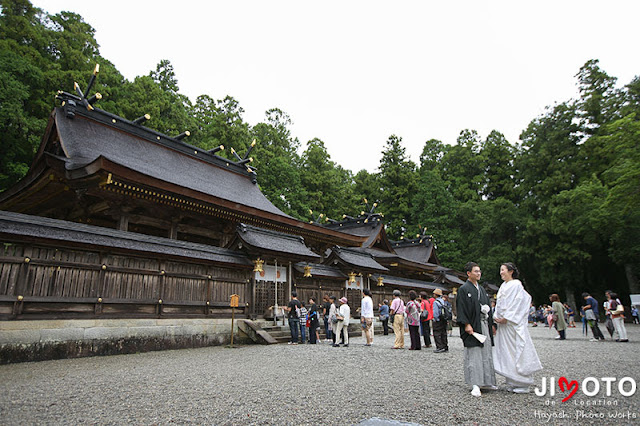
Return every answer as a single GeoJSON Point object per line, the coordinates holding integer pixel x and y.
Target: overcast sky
{"type": "Point", "coordinates": [352, 73]}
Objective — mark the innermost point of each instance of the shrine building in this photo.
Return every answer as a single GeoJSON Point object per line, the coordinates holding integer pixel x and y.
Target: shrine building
{"type": "Point", "coordinates": [121, 239]}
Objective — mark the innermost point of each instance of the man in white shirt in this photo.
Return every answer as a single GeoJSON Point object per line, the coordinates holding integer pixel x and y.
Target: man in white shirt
{"type": "Point", "coordinates": [344, 315]}
{"type": "Point", "coordinates": [366, 316]}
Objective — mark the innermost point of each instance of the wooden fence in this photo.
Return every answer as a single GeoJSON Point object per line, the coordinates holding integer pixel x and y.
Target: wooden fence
{"type": "Point", "coordinates": [40, 281]}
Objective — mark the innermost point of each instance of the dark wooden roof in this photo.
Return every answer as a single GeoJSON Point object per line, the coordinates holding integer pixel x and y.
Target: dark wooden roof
{"type": "Point", "coordinates": [453, 279]}
{"type": "Point", "coordinates": [266, 242]}
{"type": "Point", "coordinates": [354, 258]}
{"type": "Point", "coordinates": [97, 149]}
{"type": "Point", "coordinates": [491, 288]}
{"type": "Point", "coordinates": [406, 282]}
{"type": "Point", "coordinates": [419, 250]}
{"type": "Point", "coordinates": [370, 226]}
{"type": "Point", "coordinates": [84, 139]}
{"type": "Point", "coordinates": [42, 229]}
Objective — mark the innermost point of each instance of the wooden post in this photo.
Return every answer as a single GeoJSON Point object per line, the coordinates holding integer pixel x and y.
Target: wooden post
{"type": "Point", "coordinates": [235, 299]}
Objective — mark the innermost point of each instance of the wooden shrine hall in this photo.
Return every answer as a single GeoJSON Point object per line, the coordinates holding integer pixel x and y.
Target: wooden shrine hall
{"type": "Point", "coordinates": [120, 238]}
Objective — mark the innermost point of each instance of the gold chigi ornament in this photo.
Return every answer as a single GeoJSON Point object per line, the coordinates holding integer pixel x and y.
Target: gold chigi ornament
{"type": "Point", "coordinates": [257, 265]}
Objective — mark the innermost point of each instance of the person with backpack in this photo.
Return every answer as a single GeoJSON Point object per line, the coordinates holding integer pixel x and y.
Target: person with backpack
{"type": "Point", "coordinates": [413, 320]}
{"type": "Point", "coordinates": [313, 321]}
{"type": "Point", "coordinates": [426, 316]}
{"type": "Point", "coordinates": [441, 316]}
{"type": "Point", "coordinates": [616, 310]}
{"type": "Point", "coordinates": [294, 317]}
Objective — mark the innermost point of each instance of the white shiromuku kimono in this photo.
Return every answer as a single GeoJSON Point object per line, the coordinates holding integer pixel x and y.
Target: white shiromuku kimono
{"type": "Point", "coordinates": [514, 355]}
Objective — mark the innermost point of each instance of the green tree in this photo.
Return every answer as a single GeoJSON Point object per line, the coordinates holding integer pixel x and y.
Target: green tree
{"type": "Point", "coordinates": [435, 209]}
{"type": "Point", "coordinates": [432, 153]}
{"type": "Point", "coordinates": [497, 156]}
{"type": "Point", "coordinates": [220, 123]}
{"type": "Point", "coordinates": [278, 164]}
{"type": "Point", "coordinates": [462, 168]}
{"type": "Point", "coordinates": [156, 95]}
{"type": "Point", "coordinates": [397, 185]}
{"type": "Point", "coordinates": [599, 100]}
{"type": "Point", "coordinates": [365, 186]}
{"type": "Point", "coordinates": [328, 186]}
{"type": "Point", "coordinates": [39, 54]}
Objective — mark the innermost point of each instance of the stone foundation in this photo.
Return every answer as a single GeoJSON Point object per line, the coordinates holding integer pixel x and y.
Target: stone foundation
{"type": "Point", "coordinates": [22, 341]}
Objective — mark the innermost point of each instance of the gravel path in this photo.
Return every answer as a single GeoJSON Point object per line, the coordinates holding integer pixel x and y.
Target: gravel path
{"type": "Point", "coordinates": [306, 384]}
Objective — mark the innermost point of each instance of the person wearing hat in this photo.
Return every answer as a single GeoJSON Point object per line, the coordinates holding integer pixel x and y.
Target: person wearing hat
{"type": "Point", "coordinates": [440, 322]}
{"type": "Point", "coordinates": [397, 314]}
{"type": "Point", "coordinates": [344, 314]}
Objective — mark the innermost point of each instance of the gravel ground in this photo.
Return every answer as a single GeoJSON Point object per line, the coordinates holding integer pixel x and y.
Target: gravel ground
{"type": "Point", "coordinates": [307, 384]}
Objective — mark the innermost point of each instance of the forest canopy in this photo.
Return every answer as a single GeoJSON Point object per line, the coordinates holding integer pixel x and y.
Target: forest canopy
{"type": "Point", "coordinates": [563, 202]}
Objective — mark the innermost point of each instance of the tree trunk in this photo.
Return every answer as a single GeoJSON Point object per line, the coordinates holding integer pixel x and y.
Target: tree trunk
{"type": "Point", "coordinates": [571, 300]}
{"type": "Point", "coordinates": [632, 278]}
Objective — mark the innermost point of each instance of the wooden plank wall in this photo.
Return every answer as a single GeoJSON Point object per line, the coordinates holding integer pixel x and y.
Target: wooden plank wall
{"type": "Point", "coordinates": [44, 282]}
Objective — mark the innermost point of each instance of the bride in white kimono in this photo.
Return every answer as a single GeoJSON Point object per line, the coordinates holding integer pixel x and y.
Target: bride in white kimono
{"type": "Point", "coordinates": [514, 355]}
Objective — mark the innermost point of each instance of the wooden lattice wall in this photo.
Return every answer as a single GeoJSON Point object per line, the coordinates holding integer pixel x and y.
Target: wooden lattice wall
{"type": "Point", "coordinates": [40, 281]}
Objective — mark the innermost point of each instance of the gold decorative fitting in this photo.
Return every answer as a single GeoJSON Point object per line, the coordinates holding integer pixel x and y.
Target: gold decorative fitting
{"type": "Point", "coordinates": [209, 276]}
{"type": "Point", "coordinates": [258, 265]}
{"type": "Point", "coordinates": [160, 301]}
{"type": "Point", "coordinates": [27, 260]}
{"type": "Point", "coordinates": [307, 271]}
{"type": "Point", "coordinates": [113, 120]}
{"type": "Point", "coordinates": [161, 272]}
{"type": "Point", "coordinates": [455, 291]}
{"type": "Point", "coordinates": [20, 298]}
{"type": "Point", "coordinates": [352, 277]}
{"type": "Point", "coordinates": [96, 70]}
{"type": "Point", "coordinates": [104, 267]}
{"type": "Point", "coordinates": [207, 303]}
{"type": "Point", "coordinates": [99, 299]}
{"type": "Point", "coordinates": [380, 282]}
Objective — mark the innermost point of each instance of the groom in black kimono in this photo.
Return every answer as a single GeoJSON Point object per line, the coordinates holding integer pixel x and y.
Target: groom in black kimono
{"type": "Point", "coordinates": [474, 315]}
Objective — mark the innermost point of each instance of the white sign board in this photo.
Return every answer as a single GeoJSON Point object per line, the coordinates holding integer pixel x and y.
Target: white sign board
{"type": "Point", "coordinates": [270, 274]}
{"type": "Point", "coordinates": [635, 299]}
{"type": "Point", "coordinates": [356, 285]}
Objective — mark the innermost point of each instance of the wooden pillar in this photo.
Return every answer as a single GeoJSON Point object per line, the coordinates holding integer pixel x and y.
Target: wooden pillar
{"type": "Point", "coordinates": [123, 223]}
{"type": "Point", "coordinates": [20, 285]}
{"type": "Point", "coordinates": [173, 232]}
{"type": "Point", "coordinates": [161, 279]}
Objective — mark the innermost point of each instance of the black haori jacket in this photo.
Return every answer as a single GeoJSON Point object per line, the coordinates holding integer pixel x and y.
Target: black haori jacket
{"type": "Point", "coordinates": [468, 311]}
